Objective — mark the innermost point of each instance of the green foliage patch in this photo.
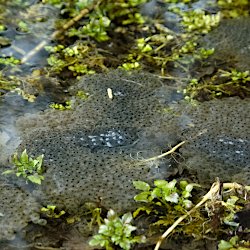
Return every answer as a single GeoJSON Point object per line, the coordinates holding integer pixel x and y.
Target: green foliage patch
{"type": "Point", "coordinates": [234, 244]}
{"type": "Point", "coordinates": [116, 231]}
{"type": "Point", "coordinates": [223, 83]}
{"type": "Point", "coordinates": [27, 167]}
{"type": "Point", "coordinates": [50, 212]}
{"type": "Point", "coordinates": [166, 202]}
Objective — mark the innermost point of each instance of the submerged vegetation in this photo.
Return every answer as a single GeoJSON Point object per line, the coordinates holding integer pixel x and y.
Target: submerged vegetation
{"type": "Point", "coordinates": [28, 168]}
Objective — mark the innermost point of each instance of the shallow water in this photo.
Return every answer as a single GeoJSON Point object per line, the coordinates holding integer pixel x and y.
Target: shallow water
{"type": "Point", "coordinates": [98, 146]}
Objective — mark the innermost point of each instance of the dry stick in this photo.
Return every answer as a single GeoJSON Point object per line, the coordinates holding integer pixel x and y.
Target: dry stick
{"type": "Point", "coordinates": [167, 153]}
{"type": "Point", "coordinates": [57, 33]}
{"type": "Point", "coordinates": [212, 193]}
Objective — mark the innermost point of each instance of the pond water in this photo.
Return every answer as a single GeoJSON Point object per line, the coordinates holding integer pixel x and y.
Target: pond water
{"type": "Point", "coordinates": [94, 151]}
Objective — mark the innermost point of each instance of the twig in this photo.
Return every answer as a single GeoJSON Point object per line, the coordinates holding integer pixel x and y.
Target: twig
{"type": "Point", "coordinates": [167, 153]}
{"type": "Point", "coordinates": [55, 34]}
{"type": "Point", "coordinates": [212, 193]}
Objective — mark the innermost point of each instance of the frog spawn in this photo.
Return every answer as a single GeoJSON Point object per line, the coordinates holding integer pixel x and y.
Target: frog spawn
{"type": "Point", "coordinates": [93, 153]}
{"type": "Point", "coordinates": [109, 138]}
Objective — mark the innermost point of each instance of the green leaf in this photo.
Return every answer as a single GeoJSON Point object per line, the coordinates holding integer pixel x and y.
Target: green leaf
{"type": "Point", "coordinates": [139, 239]}
{"type": "Point", "coordinates": [8, 172]}
{"type": "Point", "coordinates": [224, 245]}
{"type": "Point", "coordinates": [51, 207]}
{"type": "Point", "coordinates": [39, 164]}
{"type": "Point", "coordinates": [142, 197]}
{"type": "Point", "coordinates": [35, 179]}
{"type": "Point", "coordinates": [24, 158]}
{"type": "Point", "coordinates": [125, 244]}
{"type": "Point", "coordinates": [127, 218]}
{"type": "Point", "coordinates": [174, 197]}
{"type": "Point", "coordinates": [162, 222]}
{"type": "Point", "coordinates": [183, 184]}
{"type": "Point", "coordinates": [138, 210]}
{"type": "Point", "coordinates": [128, 229]}
{"type": "Point", "coordinates": [111, 215]}
{"type": "Point", "coordinates": [232, 200]}
{"type": "Point", "coordinates": [103, 229]}
{"type": "Point", "coordinates": [187, 204]}
{"type": "Point", "coordinates": [156, 193]}
{"type": "Point", "coordinates": [15, 160]}
{"type": "Point", "coordinates": [160, 183]}
{"type": "Point", "coordinates": [141, 185]}
{"type": "Point", "coordinates": [98, 240]}
{"type": "Point", "coordinates": [171, 184]}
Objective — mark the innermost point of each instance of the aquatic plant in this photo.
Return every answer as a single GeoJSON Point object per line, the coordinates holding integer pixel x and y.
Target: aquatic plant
{"type": "Point", "coordinates": [60, 106]}
{"type": "Point", "coordinates": [96, 28]}
{"type": "Point", "coordinates": [7, 83]}
{"type": "Point", "coordinates": [174, 198]}
{"type": "Point", "coordinates": [9, 61]}
{"type": "Point", "coordinates": [116, 231]}
{"type": "Point", "coordinates": [234, 244]}
{"type": "Point", "coordinates": [77, 58]}
{"type": "Point", "coordinates": [178, 1]}
{"type": "Point", "coordinates": [172, 204]}
{"type": "Point", "coordinates": [222, 84]}
{"type": "Point", "coordinates": [23, 26]}
{"type": "Point", "coordinates": [234, 8]}
{"type": "Point", "coordinates": [2, 27]}
{"type": "Point", "coordinates": [50, 212]}
{"type": "Point", "coordinates": [155, 48]}
{"type": "Point", "coordinates": [27, 167]}
{"type": "Point", "coordinates": [84, 57]}
{"type": "Point", "coordinates": [197, 21]}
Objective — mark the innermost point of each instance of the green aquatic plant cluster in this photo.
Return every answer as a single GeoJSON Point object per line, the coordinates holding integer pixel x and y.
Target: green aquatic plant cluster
{"type": "Point", "coordinates": [85, 57]}
{"type": "Point", "coordinates": [156, 48]}
{"type": "Point", "coordinates": [23, 27]}
{"type": "Point", "coordinates": [82, 47]}
{"type": "Point", "coordinates": [116, 231]}
{"type": "Point", "coordinates": [163, 46]}
{"type": "Point", "coordinates": [197, 21]}
{"type": "Point", "coordinates": [223, 83]}
{"type": "Point", "coordinates": [9, 61]}
{"type": "Point", "coordinates": [26, 167]}
{"type": "Point", "coordinates": [178, 1]}
{"type": "Point", "coordinates": [69, 7]}
{"type": "Point", "coordinates": [7, 83]}
{"type": "Point", "coordinates": [76, 58]}
{"type": "Point", "coordinates": [234, 244]}
{"type": "Point", "coordinates": [96, 28]}
{"type": "Point", "coordinates": [165, 192]}
{"type": "Point", "coordinates": [50, 212]}
{"type": "Point", "coordinates": [60, 106]}
{"type": "Point", "coordinates": [167, 202]}
{"type": "Point", "coordinates": [234, 8]}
